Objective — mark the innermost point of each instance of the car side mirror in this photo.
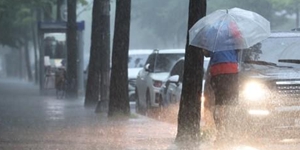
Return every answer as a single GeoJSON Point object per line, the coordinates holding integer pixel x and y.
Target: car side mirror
{"type": "Point", "coordinates": [174, 79]}
{"type": "Point", "coordinates": [147, 68]}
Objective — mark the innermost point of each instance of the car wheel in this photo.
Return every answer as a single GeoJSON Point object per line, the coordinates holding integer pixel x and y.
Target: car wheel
{"type": "Point", "coordinates": [161, 103]}
{"type": "Point", "coordinates": [148, 103]}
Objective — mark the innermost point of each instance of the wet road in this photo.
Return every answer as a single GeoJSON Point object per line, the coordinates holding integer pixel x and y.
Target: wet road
{"type": "Point", "coordinates": [29, 121]}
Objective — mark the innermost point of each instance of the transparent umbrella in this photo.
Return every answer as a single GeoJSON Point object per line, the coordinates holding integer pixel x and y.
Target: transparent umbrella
{"type": "Point", "coordinates": [229, 29]}
{"type": "Point", "coordinates": [291, 53]}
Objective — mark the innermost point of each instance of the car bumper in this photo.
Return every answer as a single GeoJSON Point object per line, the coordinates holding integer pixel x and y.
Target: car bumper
{"type": "Point", "coordinates": [156, 97]}
{"type": "Point", "coordinates": [272, 117]}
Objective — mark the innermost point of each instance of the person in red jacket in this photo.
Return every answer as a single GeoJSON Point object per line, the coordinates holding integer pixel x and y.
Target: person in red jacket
{"type": "Point", "coordinates": [223, 71]}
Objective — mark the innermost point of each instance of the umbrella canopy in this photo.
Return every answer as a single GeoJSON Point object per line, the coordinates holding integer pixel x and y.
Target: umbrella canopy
{"type": "Point", "coordinates": [229, 29]}
{"type": "Point", "coordinates": [291, 53]}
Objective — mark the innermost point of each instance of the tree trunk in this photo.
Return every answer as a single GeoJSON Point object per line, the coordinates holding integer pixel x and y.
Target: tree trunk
{"type": "Point", "coordinates": [58, 10]}
{"type": "Point", "coordinates": [99, 52]}
{"type": "Point", "coordinates": [118, 97]}
{"type": "Point", "coordinates": [34, 40]}
{"type": "Point", "coordinates": [72, 89]}
{"type": "Point", "coordinates": [105, 60]}
{"type": "Point", "coordinates": [297, 16]}
{"type": "Point", "coordinates": [190, 104]}
{"type": "Point", "coordinates": [21, 62]}
{"type": "Point", "coordinates": [27, 61]}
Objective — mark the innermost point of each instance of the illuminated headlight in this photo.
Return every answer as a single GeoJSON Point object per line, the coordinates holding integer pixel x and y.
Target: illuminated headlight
{"type": "Point", "coordinates": [259, 112]}
{"type": "Point", "coordinates": [255, 91]}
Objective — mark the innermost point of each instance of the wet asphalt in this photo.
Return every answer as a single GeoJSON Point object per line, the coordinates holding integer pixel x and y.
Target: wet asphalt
{"type": "Point", "coordinates": [31, 121]}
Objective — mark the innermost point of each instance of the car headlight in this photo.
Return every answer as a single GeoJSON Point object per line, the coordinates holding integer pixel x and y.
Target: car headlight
{"type": "Point", "coordinates": [157, 83]}
{"type": "Point", "coordinates": [255, 91]}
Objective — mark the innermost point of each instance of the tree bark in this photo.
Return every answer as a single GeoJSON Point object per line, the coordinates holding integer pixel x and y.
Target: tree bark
{"type": "Point", "coordinates": [27, 61]}
{"type": "Point", "coordinates": [190, 104]}
{"type": "Point", "coordinates": [34, 43]}
{"type": "Point", "coordinates": [72, 89]}
{"type": "Point", "coordinates": [297, 16]}
{"type": "Point", "coordinates": [118, 97]}
{"type": "Point", "coordinates": [105, 61]}
{"type": "Point", "coordinates": [21, 74]}
{"type": "Point", "coordinates": [100, 51]}
{"type": "Point", "coordinates": [58, 10]}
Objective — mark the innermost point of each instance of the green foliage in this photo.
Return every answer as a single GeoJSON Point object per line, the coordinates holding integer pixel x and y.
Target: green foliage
{"type": "Point", "coordinates": [83, 2]}
{"type": "Point", "coordinates": [16, 19]}
{"type": "Point", "coordinates": [167, 19]}
{"type": "Point", "coordinates": [288, 6]}
{"type": "Point", "coordinates": [262, 7]}
{"type": "Point", "coordinates": [267, 8]}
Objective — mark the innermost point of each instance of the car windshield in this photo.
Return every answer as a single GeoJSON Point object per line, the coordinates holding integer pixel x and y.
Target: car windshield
{"type": "Point", "coordinates": [164, 62]}
{"type": "Point", "coordinates": [269, 52]}
{"type": "Point", "coordinates": [137, 60]}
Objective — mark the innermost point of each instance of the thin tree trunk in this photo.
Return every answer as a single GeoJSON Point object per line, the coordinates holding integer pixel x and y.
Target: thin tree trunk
{"type": "Point", "coordinates": [99, 46]}
{"type": "Point", "coordinates": [27, 61]}
{"type": "Point", "coordinates": [188, 130]}
{"type": "Point", "coordinates": [72, 89]}
{"type": "Point", "coordinates": [118, 96]}
{"type": "Point", "coordinates": [34, 39]}
{"type": "Point", "coordinates": [105, 59]}
{"type": "Point", "coordinates": [58, 10]}
{"type": "Point", "coordinates": [297, 16]}
{"type": "Point", "coordinates": [21, 64]}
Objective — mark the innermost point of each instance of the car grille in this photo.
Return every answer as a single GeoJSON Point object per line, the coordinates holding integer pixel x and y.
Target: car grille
{"type": "Point", "coordinates": [288, 89]}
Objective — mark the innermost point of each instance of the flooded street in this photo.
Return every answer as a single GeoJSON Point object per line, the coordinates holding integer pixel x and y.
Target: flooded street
{"type": "Point", "coordinates": [58, 58]}
{"type": "Point", "coordinates": [30, 121]}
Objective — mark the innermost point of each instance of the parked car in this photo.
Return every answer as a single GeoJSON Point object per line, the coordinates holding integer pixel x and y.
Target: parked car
{"type": "Point", "coordinates": [269, 96]}
{"type": "Point", "coordinates": [171, 90]}
{"type": "Point", "coordinates": [136, 61]}
{"type": "Point", "coordinates": [153, 75]}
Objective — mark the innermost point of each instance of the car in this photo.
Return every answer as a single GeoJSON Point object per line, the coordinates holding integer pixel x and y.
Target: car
{"type": "Point", "coordinates": [136, 61]}
{"type": "Point", "coordinates": [153, 75]}
{"type": "Point", "coordinates": [269, 93]}
{"type": "Point", "coordinates": [171, 90]}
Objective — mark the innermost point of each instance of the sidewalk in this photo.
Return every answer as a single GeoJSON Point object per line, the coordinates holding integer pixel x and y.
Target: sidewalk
{"type": "Point", "coordinates": [29, 121]}
{"type": "Point", "coordinates": [34, 122]}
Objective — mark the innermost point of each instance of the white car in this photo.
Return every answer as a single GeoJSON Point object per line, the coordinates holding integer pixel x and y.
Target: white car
{"type": "Point", "coordinates": [171, 91]}
{"type": "Point", "coordinates": [136, 62]}
{"type": "Point", "coordinates": [153, 75]}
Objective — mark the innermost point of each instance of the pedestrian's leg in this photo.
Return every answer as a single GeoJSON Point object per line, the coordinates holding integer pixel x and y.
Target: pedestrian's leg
{"type": "Point", "coordinates": [230, 120]}
{"type": "Point", "coordinates": [219, 121]}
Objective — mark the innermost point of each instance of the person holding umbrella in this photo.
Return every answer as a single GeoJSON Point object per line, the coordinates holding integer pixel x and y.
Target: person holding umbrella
{"type": "Point", "coordinates": [221, 35]}
{"type": "Point", "coordinates": [223, 71]}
